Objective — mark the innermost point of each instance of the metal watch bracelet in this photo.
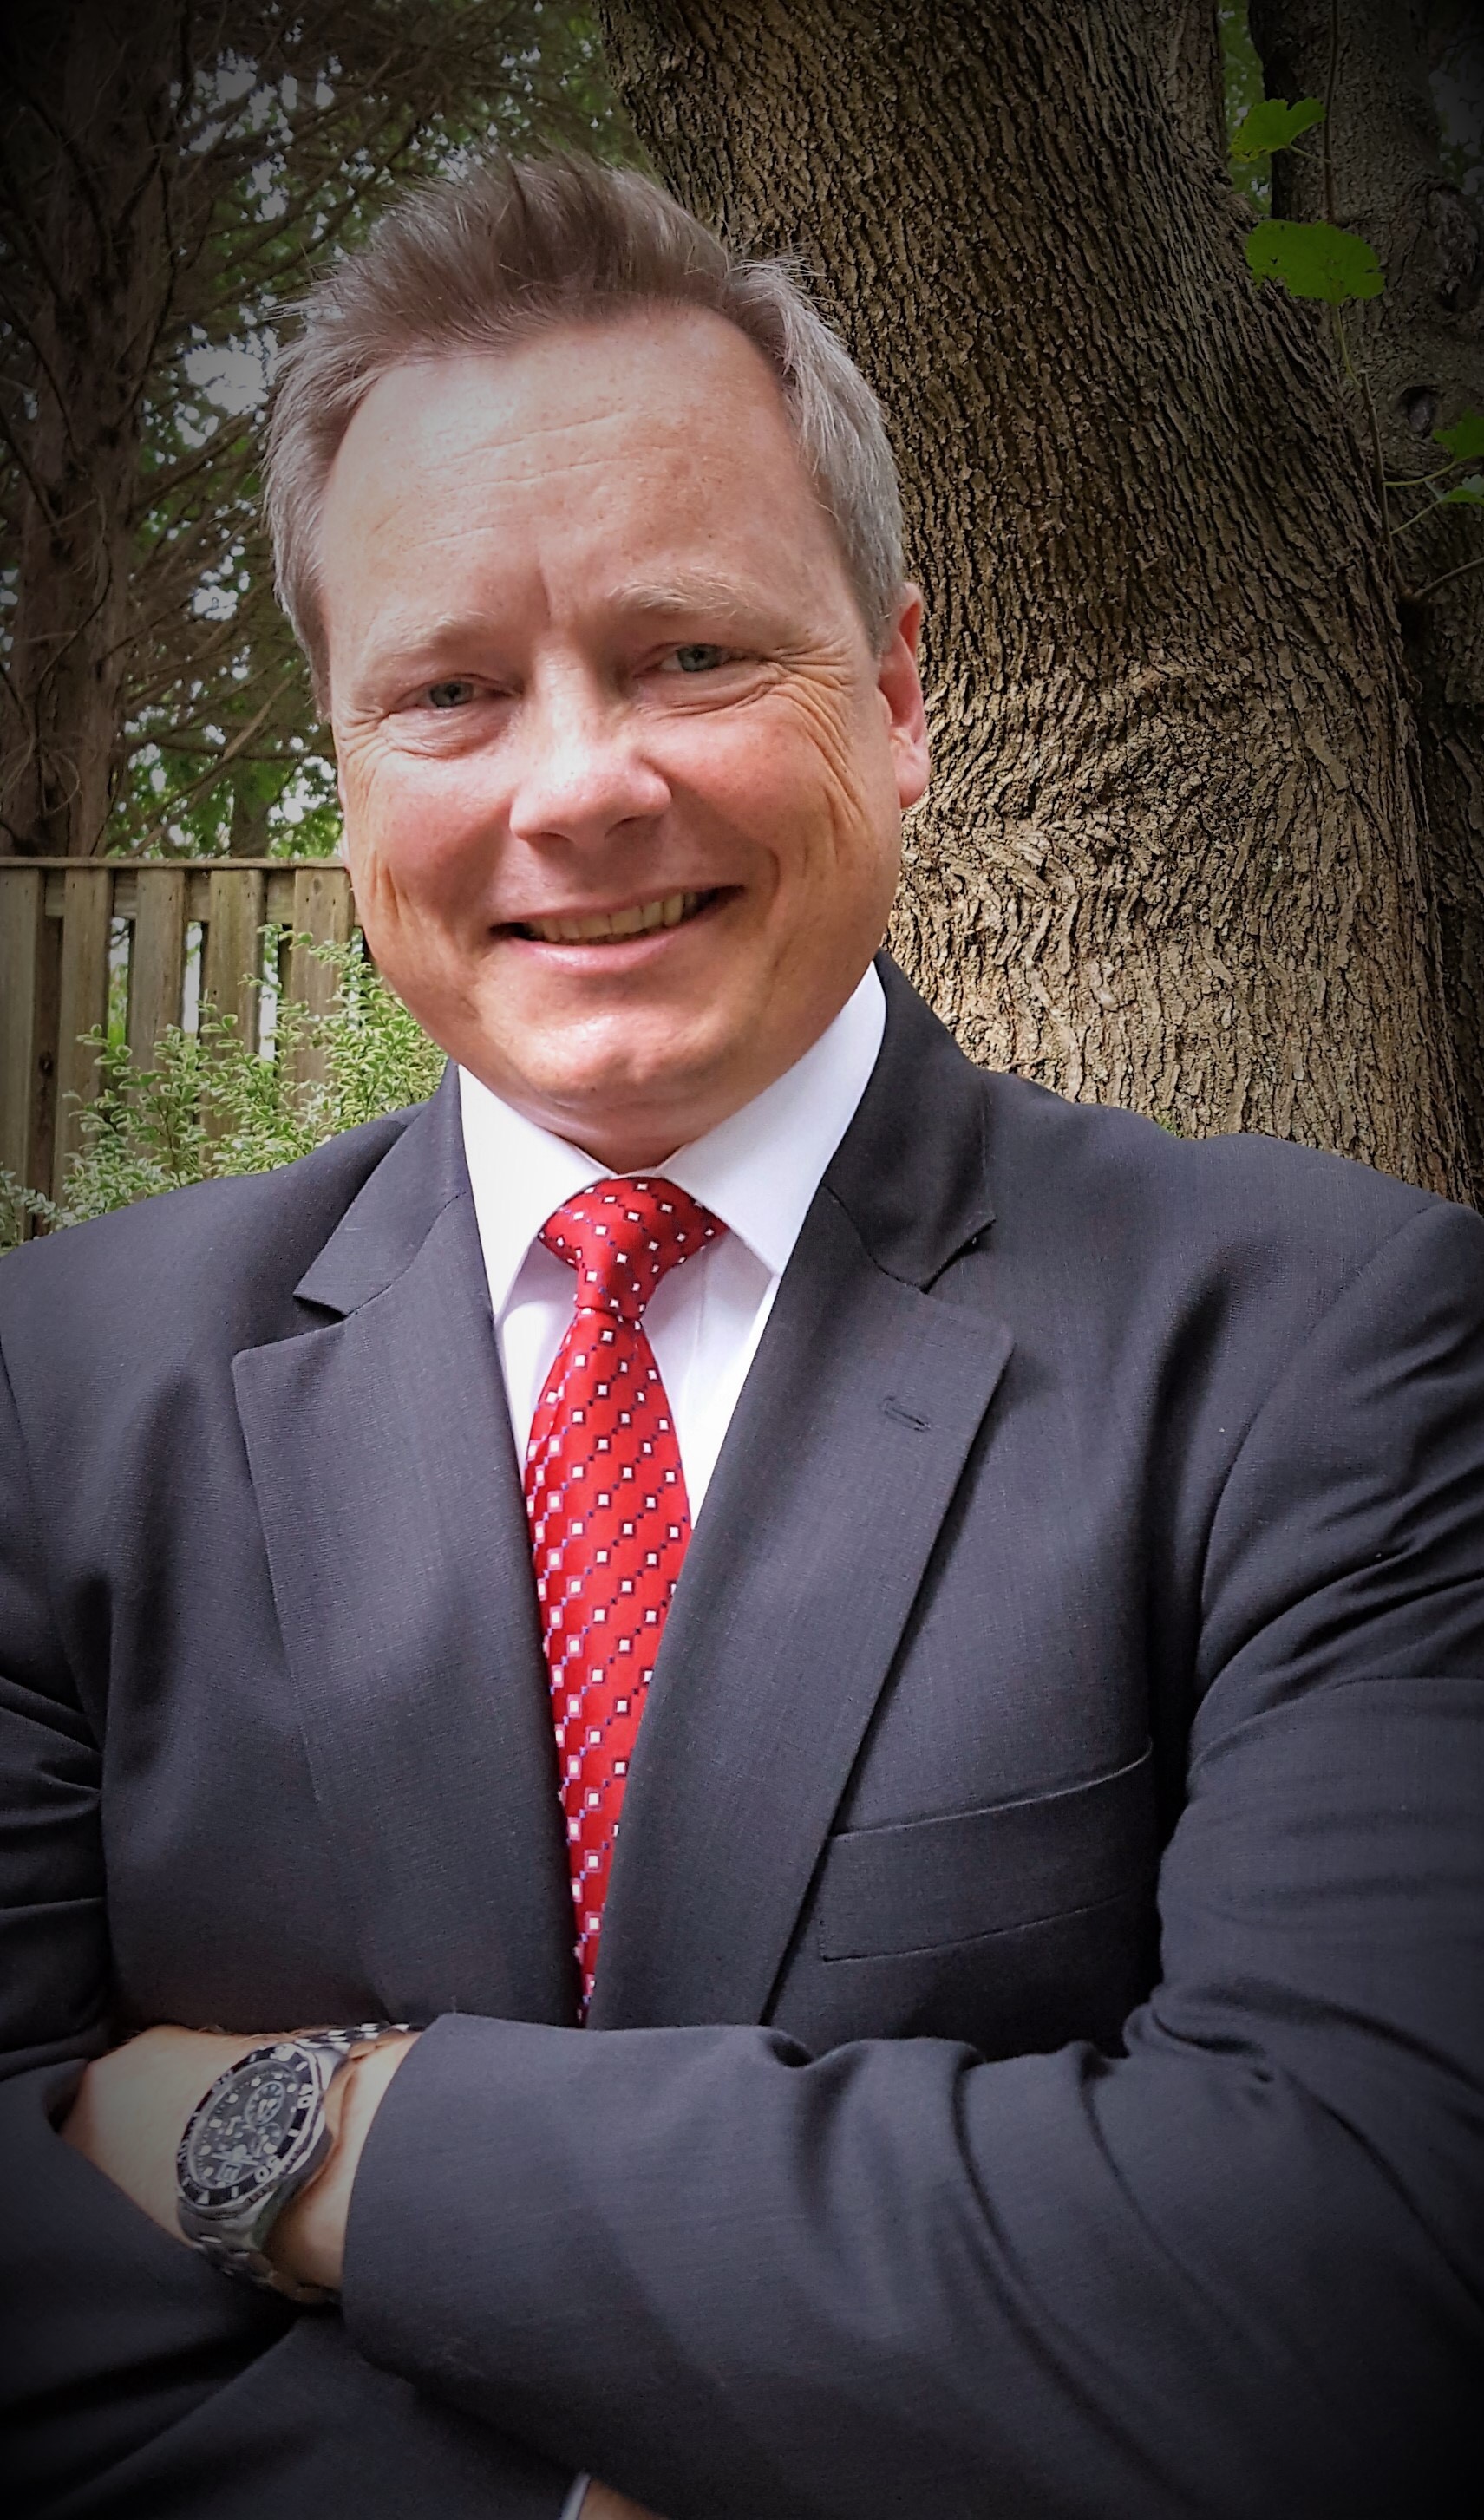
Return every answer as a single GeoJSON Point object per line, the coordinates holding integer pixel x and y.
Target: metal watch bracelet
{"type": "Point", "coordinates": [255, 2141]}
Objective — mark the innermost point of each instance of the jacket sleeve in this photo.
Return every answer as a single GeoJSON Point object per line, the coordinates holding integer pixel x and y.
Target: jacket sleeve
{"type": "Point", "coordinates": [1234, 2269]}
{"type": "Point", "coordinates": [133, 2377]}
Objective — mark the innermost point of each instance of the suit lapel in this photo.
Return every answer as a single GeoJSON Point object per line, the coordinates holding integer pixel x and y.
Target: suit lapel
{"type": "Point", "coordinates": [386, 1482]}
{"type": "Point", "coordinates": [858, 1417]}
{"type": "Point", "coordinates": [385, 1479]}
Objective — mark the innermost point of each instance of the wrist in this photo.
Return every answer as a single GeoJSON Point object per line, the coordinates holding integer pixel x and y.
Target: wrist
{"type": "Point", "coordinates": [307, 2243]}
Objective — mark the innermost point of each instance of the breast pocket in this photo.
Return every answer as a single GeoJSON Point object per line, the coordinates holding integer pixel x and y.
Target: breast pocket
{"type": "Point", "coordinates": [920, 1885]}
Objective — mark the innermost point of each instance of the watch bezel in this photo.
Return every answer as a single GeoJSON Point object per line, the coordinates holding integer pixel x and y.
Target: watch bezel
{"type": "Point", "coordinates": [302, 2144]}
{"type": "Point", "coordinates": [230, 2225]}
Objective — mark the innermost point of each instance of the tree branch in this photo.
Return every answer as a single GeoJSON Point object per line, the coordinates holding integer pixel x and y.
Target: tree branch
{"type": "Point", "coordinates": [1420, 595]}
{"type": "Point", "coordinates": [229, 752]}
{"type": "Point", "coordinates": [166, 479]}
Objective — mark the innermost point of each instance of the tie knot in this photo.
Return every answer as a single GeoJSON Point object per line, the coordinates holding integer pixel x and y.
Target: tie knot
{"type": "Point", "coordinates": [623, 1236]}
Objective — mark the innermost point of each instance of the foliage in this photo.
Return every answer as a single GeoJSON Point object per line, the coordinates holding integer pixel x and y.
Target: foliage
{"type": "Point", "coordinates": [1461, 443]}
{"type": "Point", "coordinates": [279, 134]}
{"type": "Point", "coordinates": [1465, 439]}
{"type": "Point", "coordinates": [1243, 82]}
{"type": "Point", "coordinates": [1314, 259]}
{"type": "Point", "coordinates": [1317, 259]}
{"type": "Point", "coordinates": [1271, 125]}
{"type": "Point", "coordinates": [210, 1104]}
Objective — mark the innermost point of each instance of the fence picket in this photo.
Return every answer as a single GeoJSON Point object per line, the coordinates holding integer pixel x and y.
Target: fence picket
{"type": "Point", "coordinates": [322, 911]}
{"type": "Point", "coordinates": [55, 916]}
{"type": "Point", "coordinates": [233, 953]}
{"type": "Point", "coordinates": [84, 1002]}
{"type": "Point", "coordinates": [157, 961]}
{"type": "Point", "coordinates": [21, 940]}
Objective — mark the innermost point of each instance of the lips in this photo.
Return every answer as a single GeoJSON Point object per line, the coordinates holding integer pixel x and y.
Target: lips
{"type": "Point", "coordinates": [604, 926]}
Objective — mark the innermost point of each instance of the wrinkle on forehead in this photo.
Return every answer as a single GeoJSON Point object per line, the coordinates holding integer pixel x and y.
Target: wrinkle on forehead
{"type": "Point", "coordinates": [572, 380]}
{"type": "Point", "coordinates": [468, 490]}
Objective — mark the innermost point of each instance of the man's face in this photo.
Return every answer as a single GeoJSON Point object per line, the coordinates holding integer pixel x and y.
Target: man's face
{"type": "Point", "coordinates": [622, 774]}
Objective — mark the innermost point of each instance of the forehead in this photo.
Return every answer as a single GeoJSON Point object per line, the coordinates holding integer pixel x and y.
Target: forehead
{"type": "Point", "coordinates": [654, 433]}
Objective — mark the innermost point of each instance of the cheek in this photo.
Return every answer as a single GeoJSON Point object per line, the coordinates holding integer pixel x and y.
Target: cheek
{"type": "Point", "coordinates": [787, 777]}
{"type": "Point", "coordinates": [838, 823]}
{"type": "Point", "coordinates": [417, 833]}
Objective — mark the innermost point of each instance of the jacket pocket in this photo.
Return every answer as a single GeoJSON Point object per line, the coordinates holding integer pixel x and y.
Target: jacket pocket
{"type": "Point", "coordinates": [915, 1885]}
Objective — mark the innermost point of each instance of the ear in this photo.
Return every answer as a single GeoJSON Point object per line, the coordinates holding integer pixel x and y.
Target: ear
{"type": "Point", "coordinates": [901, 692]}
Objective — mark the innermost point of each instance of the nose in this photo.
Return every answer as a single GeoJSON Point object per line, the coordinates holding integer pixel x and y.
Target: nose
{"type": "Point", "coordinates": [582, 769]}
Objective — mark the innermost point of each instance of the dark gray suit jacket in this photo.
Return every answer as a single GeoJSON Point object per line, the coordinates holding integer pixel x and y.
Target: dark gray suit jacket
{"type": "Point", "coordinates": [1037, 2067]}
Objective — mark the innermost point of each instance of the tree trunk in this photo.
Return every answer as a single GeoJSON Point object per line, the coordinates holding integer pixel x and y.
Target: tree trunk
{"type": "Point", "coordinates": [1422, 346]}
{"type": "Point", "coordinates": [95, 77]}
{"type": "Point", "coordinates": [1184, 41]}
{"type": "Point", "coordinates": [1171, 857]}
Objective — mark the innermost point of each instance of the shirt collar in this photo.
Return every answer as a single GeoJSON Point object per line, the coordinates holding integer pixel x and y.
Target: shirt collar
{"type": "Point", "coordinates": [757, 1171]}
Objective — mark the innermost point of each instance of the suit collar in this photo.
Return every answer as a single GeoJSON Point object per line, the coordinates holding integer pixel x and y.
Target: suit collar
{"type": "Point", "coordinates": [863, 1406]}
{"type": "Point", "coordinates": [390, 1497]}
{"type": "Point", "coordinates": [911, 1172]}
{"type": "Point", "coordinates": [392, 1214]}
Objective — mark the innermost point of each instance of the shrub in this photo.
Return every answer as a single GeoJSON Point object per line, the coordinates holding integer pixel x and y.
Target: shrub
{"type": "Point", "coordinates": [210, 1105]}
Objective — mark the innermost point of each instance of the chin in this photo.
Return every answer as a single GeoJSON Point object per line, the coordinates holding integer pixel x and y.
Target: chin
{"type": "Point", "coordinates": [597, 1106]}
{"type": "Point", "coordinates": [666, 1056]}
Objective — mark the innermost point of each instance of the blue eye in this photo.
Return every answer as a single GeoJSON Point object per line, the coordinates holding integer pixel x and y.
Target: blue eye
{"type": "Point", "coordinates": [699, 659]}
{"type": "Point", "coordinates": [450, 694]}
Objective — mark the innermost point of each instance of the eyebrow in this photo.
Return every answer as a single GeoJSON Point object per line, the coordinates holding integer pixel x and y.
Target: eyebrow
{"type": "Point", "coordinates": [411, 641]}
{"type": "Point", "coordinates": [658, 598]}
{"type": "Point", "coordinates": [693, 591]}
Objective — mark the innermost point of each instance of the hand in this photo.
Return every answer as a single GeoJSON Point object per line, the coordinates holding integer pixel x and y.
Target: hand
{"type": "Point", "coordinates": [133, 2106]}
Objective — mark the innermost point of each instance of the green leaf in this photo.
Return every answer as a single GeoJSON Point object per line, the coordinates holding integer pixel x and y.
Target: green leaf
{"type": "Point", "coordinates": [1464, 494]}
{"type": "Point", "coordinates": [1464, 438]}
{"type": "Point", "coordinates": [1312, 259]}
{"type": "Point", "coordinates": [1272, 125]}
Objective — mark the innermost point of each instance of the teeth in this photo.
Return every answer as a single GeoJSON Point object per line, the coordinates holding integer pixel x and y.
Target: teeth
{"type": "Point", "coordinates": [667, 913]}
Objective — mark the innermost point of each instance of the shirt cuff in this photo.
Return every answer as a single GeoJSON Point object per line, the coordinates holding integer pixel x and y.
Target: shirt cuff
{"type": "Point", "coordinates": [574, 2503]}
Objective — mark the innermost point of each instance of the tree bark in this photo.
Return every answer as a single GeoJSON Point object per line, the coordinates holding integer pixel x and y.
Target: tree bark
{"type": "Point", "coordinates": [95, 79]}
{"type": "Point", "coordinates": [1183, 39]}
{"type": "Point", "coordinates": [1172, 854]}
{"type": "Point", "coordinates": [1421, 344]}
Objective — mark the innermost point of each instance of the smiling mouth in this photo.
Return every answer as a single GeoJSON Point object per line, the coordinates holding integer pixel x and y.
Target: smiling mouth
{"type": "Point", "coordinates": [605, 926]}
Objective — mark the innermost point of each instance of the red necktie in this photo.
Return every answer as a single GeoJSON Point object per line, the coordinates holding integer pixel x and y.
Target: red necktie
{"type": "Point", "coordinates": [606, 1495]}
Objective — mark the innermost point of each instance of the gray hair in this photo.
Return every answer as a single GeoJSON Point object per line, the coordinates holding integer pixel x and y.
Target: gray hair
{"type": "Point", "coordinates": [513, 248]}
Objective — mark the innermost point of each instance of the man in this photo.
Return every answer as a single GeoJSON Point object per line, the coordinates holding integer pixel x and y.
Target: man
{"type": "Point", "coordinates": [884, 1672]}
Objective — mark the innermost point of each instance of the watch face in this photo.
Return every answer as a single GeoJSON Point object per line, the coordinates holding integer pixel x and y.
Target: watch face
{"type": "Point", "coordinates": [251, 2129]}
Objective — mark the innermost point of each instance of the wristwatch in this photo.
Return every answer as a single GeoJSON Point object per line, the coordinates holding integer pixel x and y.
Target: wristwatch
{"type": "Point", "coordinates": [256, 2139]}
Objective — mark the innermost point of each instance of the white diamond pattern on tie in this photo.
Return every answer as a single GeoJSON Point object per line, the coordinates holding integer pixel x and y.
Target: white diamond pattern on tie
{"type": "Point", "coordinates": [609, 1520]}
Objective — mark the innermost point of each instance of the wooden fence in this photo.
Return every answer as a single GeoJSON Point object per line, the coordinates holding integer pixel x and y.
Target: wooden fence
{"type": "Point", "coordinates": [172, 935]}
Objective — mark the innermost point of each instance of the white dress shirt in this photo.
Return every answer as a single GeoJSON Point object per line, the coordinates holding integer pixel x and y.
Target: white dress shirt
{"type": "Point", "coordinates": [758, 1172]}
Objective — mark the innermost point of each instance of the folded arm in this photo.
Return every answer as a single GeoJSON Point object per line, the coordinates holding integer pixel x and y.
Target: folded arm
{"type": "Point", "coordinates": [132, 2375]}
{"type": "Point", "coordinates": [1234, 2269]}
